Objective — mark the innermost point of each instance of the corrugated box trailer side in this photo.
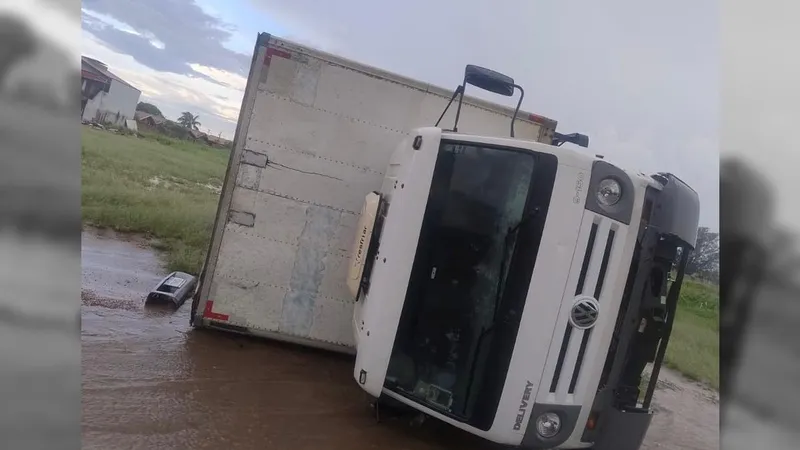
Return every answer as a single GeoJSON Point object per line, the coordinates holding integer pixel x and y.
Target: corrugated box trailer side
{"type": "Point", "coordinates": [314, 137]}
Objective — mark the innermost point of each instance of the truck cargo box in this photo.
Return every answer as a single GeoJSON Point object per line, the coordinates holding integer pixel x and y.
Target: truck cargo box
{"type": "Point", "coordinates": [314, 137]}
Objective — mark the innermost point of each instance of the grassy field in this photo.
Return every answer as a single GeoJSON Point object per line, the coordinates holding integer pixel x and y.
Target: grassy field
{"type": "Point", "coordinates": [694, 347]}
{"type": "Point", "coordinates": [165, 188]}
{"type": "Point", "coordinates": [168, 189]}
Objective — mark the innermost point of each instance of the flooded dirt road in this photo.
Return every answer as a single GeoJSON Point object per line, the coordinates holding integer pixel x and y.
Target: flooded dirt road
{"type": "Point", "coordinates": [150, 382]}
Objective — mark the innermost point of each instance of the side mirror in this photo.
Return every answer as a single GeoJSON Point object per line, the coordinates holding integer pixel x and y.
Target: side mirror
{"type": "Point", "coordinates": [489, 80]}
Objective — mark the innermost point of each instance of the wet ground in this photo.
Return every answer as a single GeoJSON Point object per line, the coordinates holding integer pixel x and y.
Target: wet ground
{"type": "Point", "coordinates": [150, 382]}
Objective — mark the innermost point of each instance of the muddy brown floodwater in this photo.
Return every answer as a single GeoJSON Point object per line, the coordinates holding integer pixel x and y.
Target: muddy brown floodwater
{"type": "Point", "coordinates": [151, 382]}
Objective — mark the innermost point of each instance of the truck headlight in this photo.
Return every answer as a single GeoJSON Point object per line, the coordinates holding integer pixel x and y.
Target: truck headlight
{"type": "Point", "coordinates": [548, 425]}
{"type": "Point", "coordinates": [609, 192]}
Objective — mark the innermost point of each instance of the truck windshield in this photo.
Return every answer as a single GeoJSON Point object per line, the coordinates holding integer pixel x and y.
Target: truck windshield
{"type": "Point", "coordinates": [469, 280]}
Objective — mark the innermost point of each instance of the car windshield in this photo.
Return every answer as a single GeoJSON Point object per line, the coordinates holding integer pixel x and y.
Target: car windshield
{"type": "Point", "coordinates": [478, 200]}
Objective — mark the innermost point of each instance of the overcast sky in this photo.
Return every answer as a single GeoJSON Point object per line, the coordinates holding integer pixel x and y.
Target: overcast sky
{"type": "Point", "coordinates": [640, 78]}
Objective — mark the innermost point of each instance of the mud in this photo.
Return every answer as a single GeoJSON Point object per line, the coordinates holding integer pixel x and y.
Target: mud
{"type": "Point", "coordinates": [150, 382]}
{"type": "Point", "coordinates": [117, 271]}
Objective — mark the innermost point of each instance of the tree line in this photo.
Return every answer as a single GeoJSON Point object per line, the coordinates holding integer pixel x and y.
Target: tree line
{"type": "Point", "coordinates": [704, 260]}
{"type": "Point", "coordinates": [186, 120]}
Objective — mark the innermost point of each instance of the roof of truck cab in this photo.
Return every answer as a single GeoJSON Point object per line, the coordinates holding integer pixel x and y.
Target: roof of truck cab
{"type": "Point", "coordinates": [566, 155]}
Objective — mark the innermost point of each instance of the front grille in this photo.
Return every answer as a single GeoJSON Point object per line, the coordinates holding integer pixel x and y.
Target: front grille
{"type": "Point", "coordinates": [594, 260]}
{"type": "Point", "coordinates": [587, 256]}
{"type": "Point", "coordinates": [598, 289]}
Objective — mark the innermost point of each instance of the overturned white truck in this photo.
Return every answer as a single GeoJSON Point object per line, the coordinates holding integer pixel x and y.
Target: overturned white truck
{"type": "Point", "coordinates": [496, 281]}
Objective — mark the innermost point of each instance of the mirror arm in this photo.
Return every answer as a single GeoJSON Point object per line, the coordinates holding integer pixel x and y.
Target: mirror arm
{"type": "Point", "coordinates": [459, 90]}
{"type": "Point", "coordinates": [460, 100]}
{"type": "Point", "coordinates": [519, 104]}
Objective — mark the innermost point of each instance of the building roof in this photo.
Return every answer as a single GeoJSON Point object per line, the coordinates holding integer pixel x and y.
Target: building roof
{"type": "Point", "coordinates": [102, 69]}
{"type": "Point", "coordinates": [141, 115]}
{"type": "Point", "coordinates": [217, 140]}
{"type": "Point", "coordinates": [197, 134]}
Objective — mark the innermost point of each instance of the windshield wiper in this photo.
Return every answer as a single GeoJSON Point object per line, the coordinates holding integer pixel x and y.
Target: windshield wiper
{"type": "Point", "coordinates": [512, 231]}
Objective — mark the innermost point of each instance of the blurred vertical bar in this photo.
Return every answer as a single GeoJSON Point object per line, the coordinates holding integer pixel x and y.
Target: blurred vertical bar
{"type": "Point", "coordinates": [759, 223]}
{"type": "Point", "coordinates": [40, 222]}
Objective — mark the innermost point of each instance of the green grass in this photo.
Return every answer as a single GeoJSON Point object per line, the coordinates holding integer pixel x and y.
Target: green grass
{"type": "Point", "coordinates": [162, 187]}
{"type": "Point", "coordinates": [155, 185]}
{"type": "Point", "coordinates": [694, 346]}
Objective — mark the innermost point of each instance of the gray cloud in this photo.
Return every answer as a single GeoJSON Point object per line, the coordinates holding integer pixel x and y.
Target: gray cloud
{"type": "Point", "coordinates": [639, 77]}
{"type": "Point", "coordinates": [189, 35]}
{"type": "Point", "coordinates": [208, 78]}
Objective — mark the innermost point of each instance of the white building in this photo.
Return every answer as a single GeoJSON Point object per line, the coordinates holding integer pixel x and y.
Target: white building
{"type": "Point", "coordinates": [105, 97]}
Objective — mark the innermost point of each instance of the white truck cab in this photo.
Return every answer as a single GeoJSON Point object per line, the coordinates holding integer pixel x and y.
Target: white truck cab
{"type": "Point", "coordinates": [518, 290]}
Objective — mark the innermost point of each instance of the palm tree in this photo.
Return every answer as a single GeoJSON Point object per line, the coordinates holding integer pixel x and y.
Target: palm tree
{"type": "Point", "coordinates": [189, 120]}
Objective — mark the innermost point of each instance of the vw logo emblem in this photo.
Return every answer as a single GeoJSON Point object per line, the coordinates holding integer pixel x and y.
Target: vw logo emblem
{"type": "Point", "coordinates": [584, 312]}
